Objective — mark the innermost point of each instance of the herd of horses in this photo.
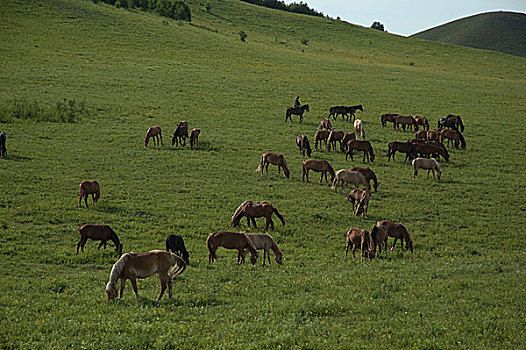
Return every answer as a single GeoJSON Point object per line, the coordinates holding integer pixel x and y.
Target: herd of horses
{"type": "Point", "coordinates": [179, 136]}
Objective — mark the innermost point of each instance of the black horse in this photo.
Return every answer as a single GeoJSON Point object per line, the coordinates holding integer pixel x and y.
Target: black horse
{"type": "Point", "coordinates": [175, 243]}
{"type": "Point", "coordinates": [180, 133]}
{"type": "Point", "coordinates": [297, 111]}
{"type": "Point", "coordinates": [3, 150]}
{"type": "Point", "coordinates": [345, 111]}
{"type": "Point", "coordinates": [452, 122]}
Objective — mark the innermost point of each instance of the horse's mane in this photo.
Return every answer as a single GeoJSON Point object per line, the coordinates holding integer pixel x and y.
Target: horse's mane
{"type": "Point", "coordinates": [117, 268]}
{"type": "Point", "coordinates": [240, 208]}
{"type": "Point", "coordinates": [250, 242]}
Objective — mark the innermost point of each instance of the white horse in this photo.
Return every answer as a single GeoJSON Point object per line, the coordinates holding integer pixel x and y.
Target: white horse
{"type": "Point", "coordinates": [426, 164]}
{"type": "Point", "coordinates": [360, 130]}
{"type": "Point", "coordinates": [347, 176]}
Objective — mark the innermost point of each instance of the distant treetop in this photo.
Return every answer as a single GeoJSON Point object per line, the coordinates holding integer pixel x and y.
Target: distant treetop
{"type": "Point", "coordinates": [378, 25]}
{"type": "Point", "coordinates": [301, 7]}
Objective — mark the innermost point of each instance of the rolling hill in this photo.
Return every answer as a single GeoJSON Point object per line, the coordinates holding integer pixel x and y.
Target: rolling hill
{"type": "Point", "coordinates": [496, 31]}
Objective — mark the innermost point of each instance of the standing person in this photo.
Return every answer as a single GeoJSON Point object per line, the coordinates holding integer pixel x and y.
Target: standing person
{"type": "Point", "coordinates": [297, 102]}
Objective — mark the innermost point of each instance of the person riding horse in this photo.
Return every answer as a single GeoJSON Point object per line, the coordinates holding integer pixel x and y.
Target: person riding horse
{"type": "Point", "coordinates": [297, 102]}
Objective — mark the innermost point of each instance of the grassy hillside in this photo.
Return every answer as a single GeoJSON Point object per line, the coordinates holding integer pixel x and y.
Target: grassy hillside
{"type": "Point", "coordinates": [496, 31]}
{"type": "Point", "coordinates": [462, 287]}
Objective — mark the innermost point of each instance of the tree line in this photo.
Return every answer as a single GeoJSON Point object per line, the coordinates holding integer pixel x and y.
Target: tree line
{"type": "Point", "coordinates": [301, 7]}
{"type": "Point", "coordinates": [178, 10]}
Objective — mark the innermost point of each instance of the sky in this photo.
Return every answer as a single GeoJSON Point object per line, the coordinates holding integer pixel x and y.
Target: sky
{"type": "Point", "coordinates": [406, 17]}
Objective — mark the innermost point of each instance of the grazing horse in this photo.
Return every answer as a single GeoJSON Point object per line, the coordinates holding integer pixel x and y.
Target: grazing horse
{"type": "Point", "coordinates": [231, 240]}
{"type": "Point", "coordinates": [321, 135]}
{"type": "Point", "coordinates": [359, 145]}
{"type": "Point", "coordinates": [359, 128]}
{"type": "Point", "coordinates": [451, 121]}
{"type": "Point", "coordinates": [404, 147]}
{"type": "Point", "coordinates": [143, 265]}
{"type": "Point", "coordinates": [194, 137]}
{"type": "Point", "coordinates": [388, 117]}
{"type": "Point", "coordinates": [89, 187]}
{"type": "Point", "coordinates": [369, 175]}
{"type": "Point", "coordinates": [3, 150]}
{"type": "Point", "coordinates": [101, 233]}
{"type": "Point", "coordinates": [421, 135]}
{"type": "Point", "coordinates": [335, 135]}
{"type": "Point", "coordinates": [180, 133]}
{"type": "Point", "coordinates": [276, 159]}
{"type": "Point", "coordinates": [426, 164]}
{"type": "Point", "coordinates": [297, 111]}
{"type": "Point", "coordinates": [454, 135]}
{"type": "Point", "coordinates": [154, 132]}
{"type": "Point", "coordinates": [405, 121]}
{"type": "Point", "coordinates": [254, 210]}
{"type": "Point", "coordinates": [422, 121]}
{"type": "Point", "coordinates": [320, 166]}
{"type": "Point", "coordinates": [303, 143]}
{"type": "Point", "coordinates": [360, 201]}
{"type": "Point", "coordinates": [175, 243]}
{"type": "Point", "coordinates": [345, 111]}
{"type": "Point", "coordinates": [346, 138]}
{"type": "Point", "coordinates": [325, 123]}
{"type": "Point", "coordinates": [379, 237]}
{"type": "Point", "coordinates": [398, 231]}
{"type": "Point", "coordinates": [434, 135]}
{"type": "Point", "coordinates": [344, 176]}
{"type": "Point", "coordinates": [359, 238]}
{"type": "Point", "coordinates": [427, 149]}
{"type": "Point", "coordinates": [265, 242]}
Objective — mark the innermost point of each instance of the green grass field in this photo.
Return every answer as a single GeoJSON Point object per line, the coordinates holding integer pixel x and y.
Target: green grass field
{"type": "Point", "coordinates": [463, 287]}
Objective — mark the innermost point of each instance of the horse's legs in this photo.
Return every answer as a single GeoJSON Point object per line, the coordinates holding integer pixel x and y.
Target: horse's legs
{"type": "Point", "coordinates": [86, 199]}
{"type": "Point", "coordinates": [248, 221]}
{"type": "Point", "coordinates": [123, 283]}
{"type": "Point", "coordinates": [254, 222]}
{"type": "Point", "coordinates": [100, 245]}
{"type": "Point", "coordinates": [134, 286]}
{"type": "Point", "coordinates": [394, 243]}
{"type": "Point", "coordinates": [164, 283]}
{"type": "Point", "coordinates": [80, 244]}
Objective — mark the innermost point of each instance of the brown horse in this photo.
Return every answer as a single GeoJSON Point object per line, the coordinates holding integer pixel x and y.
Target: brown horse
{"type": "Point", "coordinates": [265, 242]}
{"type": "Point", "coordinates": [421, 135]}
{"type": "Point", "coordinates": [434, 135]}
{"type": "Point", "coordinates": [180, 133]}
{"type": "Point", "coordinates": [404, 147]}
{"type": "Point", "coordinates": [276, 159]}
{"type": "Point", "coordinates": [86, 188]}
{"type": "Point", "coordinates": [155, 132]}
{"type": "Point", "coordinates": [364, 146]}
{"type": "Point", "coordinates": [426, 164]}
{"type": "Point", "coordinates": [320, 166]}
{"type": "Point", "coordinates": [344, 176]}
{"type": "Point", "coordinates": [254, 210]}
{"type": "Point", "coordinates": [303, 143]}
{"type": "Point", "coordinates": [427, 149]}
{"type": "Point", "coordinates": [231, 240]}
{"type": "Point", "coordinates": [422, 121]}
{"type": "Point", "coordinates": [101, 233]}
{"type": "Point", "coordinates": [194, 137]}
{"type": "Point", "coordinates": [325, 123]}
{"type": "Point", "coordinates": [143, 265]}
{"type": "Point", "coordinates": [335, 136]}
{"type": "Point", "coordinates": [360, 129]}
{"type": "Point", "coordinates": [408, 121]}
{"type": "Point", "coordinates": [453, 135]}
{"type": "Point", "coordinates": [344, 111]}
{"type": "Point", "coordinates": [369, 175]}
{"type": "Point", "coordinates": [388, 117]}
{"type": "Point", "coordinates": [359, 238]}
{"type": "Point", "coordinates": [360, 201]}
{"type": "Point", "coordinates": [379, 237]}
{"type": "Point", "coordinates": [451, 121]}
{"type": "Point", "coordinates": [346, 138]}
{"type": "Point", "coordinates": [321, 135]}
{"type": "Point", "coordinates": [297, 111]}
{"type": "Point", "coordinates": [398, 231]}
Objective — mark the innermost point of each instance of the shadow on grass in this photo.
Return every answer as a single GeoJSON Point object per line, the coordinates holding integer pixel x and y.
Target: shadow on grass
{"type": "Point", "coordinates": [17, 158]}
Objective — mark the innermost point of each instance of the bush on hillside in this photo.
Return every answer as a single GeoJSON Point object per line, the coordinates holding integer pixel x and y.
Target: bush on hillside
{"type": "Point", "coordinates": [378, 26]}
{"type": "Point", "coordinates": [178, 10]}
{"type": "Point", "coordinates": [301, 7]}
{"type": "Point", "coordinates": [65, 111]}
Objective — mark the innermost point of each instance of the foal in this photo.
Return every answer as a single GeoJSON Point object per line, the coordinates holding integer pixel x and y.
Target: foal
{"type": "Point", "coordinates": [86, 188]}
{"type": "Point", "coordinates": [360, 201]}
{"type": "Point", "coordinates": [194, 137]}
{"type": "Point", "coordinates": [362, 238]}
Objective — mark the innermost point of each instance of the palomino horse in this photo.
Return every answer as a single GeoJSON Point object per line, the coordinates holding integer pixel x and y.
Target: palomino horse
{"type": "Point", "coordinates": [345, 111]}
{"type": "Point", "coordinates": [297, 111]}
{"type": "Point", "coordinates": [335, 136]}
{"type": "Point", "coordinates": [388, 117]}
{"type": "Point", "coordinates": [364, 146]}
{"type": "Point", "coordinates": [320, 166]}
{"type": "Point", "coordinates": [428, 149]}
{"type": "Point", "coordinates": [404, 147]}
{"type": "Point", "coordinates": [359, 238]}
{"type": "Point", "coordinates": [231, 240]}
{"type": "Point", "coordinates": [346, 138]}
{"type": "Point", "coordinates": [398, 231]}
{"type": "Point", "coordinates": [86, 188]}
{"type": "Point", "coordinates": [143, 265]}
{"type": "Point", "coordinates": [426, 164]}
{"type": "Point", "coordinates": [155, 132]}
{"type": "Point", "coordinates": [194, 137]}
{"type": "Point", "coordinates": [101, 233]}
{"type": "Point", "coordinates": [303, 143]}
{"type": "Point", "coordinates": [3, 150]}
{"type": "Point", "coordinates": [360, 201]}
{"type": "Point", "coordinates": [344, 176]}
{"type": "Point", "coordinates": [408, 121]}
{"type": "Point", "coordinates": [180, 133]}
{"type": "Point", "coordinates": [359, 128]}
{"type": "Point", "coordinates": [325, 123]}
{"type": "Point", "coordinates": [453, 135]}
{"type": "Point", "coordinates": [451, 121]}
{"type": "Point", "coordinates": [276, 159]}
{"type": "Point", "coordinates": [369, 175]}
{"type": "Point", "coordinates": [379, 237]}
{"type": "Point", "coordinates": [422, 121]}
{"type": "Point", "coordinates": [265, 242]}
{"type": "Point", "coordinates": [254, 210]}
{"type": "Point", "coordinates": [175, 243]}
{"type": "Point", "coordinates": [321, 135]}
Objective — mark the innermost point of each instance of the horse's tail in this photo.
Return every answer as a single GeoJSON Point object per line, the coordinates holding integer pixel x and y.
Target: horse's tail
{"type": "Point", "coordinates": [209, 245]}
{"type": "Point", "coordinates": [460, 123]}
{"type": "Point", "coordinates": [279, 215]}
{"type": "Point", "coordinates": [259, 169]}
{"type": "Point", "coordinates": [307, 143]}
{"type": "Point", "coordinates": [462, 140]}
{"type": "Point", "coordinates": [179, 264]}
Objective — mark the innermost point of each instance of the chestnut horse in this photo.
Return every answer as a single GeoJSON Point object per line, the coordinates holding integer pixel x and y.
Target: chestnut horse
{"type": "Point", "coordinates": [154, 132]}
{"type": "Point", "coordinates": [359, 128]}
{"type": "Point", "coordinates": [101, 233]}
{"type": "Point", "coordinates": [335, 135]}
{"type": "Point", "coordinates": [231, 240]}
{"type": "Point", "coordinates": [422, 121]}
{"type": "Point", "coordinates": [86, 188]}
{"type": "Point", "coordinates": [346, 138]}
{"type": "Point", "coordinates": [303, 143]}
{"type": "Point", "coordinates": [3, 150]}
{"type": "Point", "coordinates": [364, 146]}
{"type": "Point", "coordinates": [344, 176]}
{"type": "Point", "coordinates": [297, 111]}
{"type": "Point", "coordinates": [254, 210]}
{"type": "Point", "coordinates": [345, 111]}
{"type": "Point", "coordinates": [405, 121]}
{"type": "Point", "coordinates": [369, 175]}
{"type": "Point", "coordinates": [434, 135]}
{"type": "Point", "coordinates": [180, 133]}
{"type": "Point", "coordinates": [194, 137]}
{"type": "Point", "coordinates": [265, 242]}
{"type": "Point", "coordinates": [429, 149]}
{"type": "Point", "coordinates": [321, 135]}
{"type": "Point", "coordinates": [398, 231]}
{"type": "Point", "coordinates": [404, 147]}
{"type": "Point", "coordinates": [320, 166]}
{"type": "Point", "coordinates": [453, 135]}
{"type": "Point", "coordinates": [426, 164]}
{"type": "Point", "coordinates": [325, 123]}
{"type": "Point", "coordinates": [360, 201]}
{"type": "Point", "coordinates": [276, 159]}
{"type": "Point", "coordinates": [175, 243]}
{"type": "Point", "coordinates": [388, 117]}
{"type": "Point", "coordinates": [143, 265]}
{"type": "Point", "coordinates": [379, 237]}
{"type": "Point", "coordinates": [359, 238]}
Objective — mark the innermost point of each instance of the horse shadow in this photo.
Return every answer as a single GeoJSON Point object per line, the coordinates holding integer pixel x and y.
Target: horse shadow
{"type": "Point", "coordinates": [17, 158]}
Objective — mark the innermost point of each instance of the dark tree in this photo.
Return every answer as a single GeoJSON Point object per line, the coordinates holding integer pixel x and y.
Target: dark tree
{"type": "Point", "coordinates": [378, 26]}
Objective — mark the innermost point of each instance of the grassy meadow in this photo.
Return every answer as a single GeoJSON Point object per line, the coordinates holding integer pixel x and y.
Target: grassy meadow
{"type": "Point", "coordinates": [463, 287]}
